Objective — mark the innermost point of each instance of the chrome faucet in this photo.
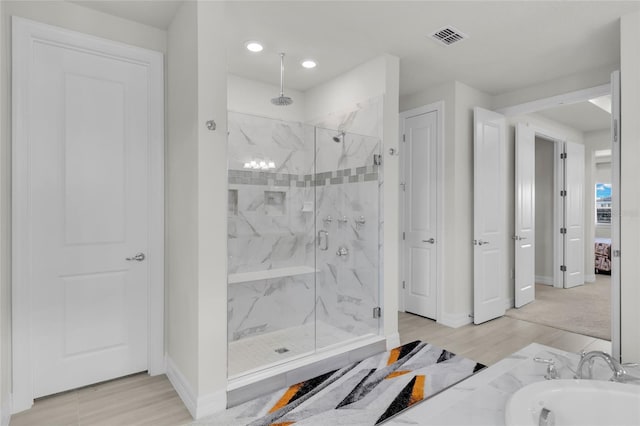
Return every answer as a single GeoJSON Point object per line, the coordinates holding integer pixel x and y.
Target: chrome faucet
{"type": "Point", "coordinates": [619, 372]}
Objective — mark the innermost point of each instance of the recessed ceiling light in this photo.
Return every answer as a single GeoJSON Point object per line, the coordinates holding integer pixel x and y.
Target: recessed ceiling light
{"type": "Point", "coordinates": [253, 46]}
{"type": "Point", "coordinates": [309, 63]}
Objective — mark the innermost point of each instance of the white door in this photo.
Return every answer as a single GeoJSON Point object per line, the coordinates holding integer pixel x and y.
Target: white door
{"type": "Point", "coordinates": [86, 117]}
{"type": "Point", "coordinates": [420, 221]}
{"type": "Point", "coordinates": [574, 215]}
{"type": "Point", "coordinates": [615, 215]}
{"type": "Point", "coordinates": [524, 237]}
{"type": "Point", "coordinates": [489, 190]}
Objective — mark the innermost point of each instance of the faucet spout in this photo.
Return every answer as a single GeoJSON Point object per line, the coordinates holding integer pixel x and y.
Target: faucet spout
{"type": "Point", "coordinates": [618, 371]}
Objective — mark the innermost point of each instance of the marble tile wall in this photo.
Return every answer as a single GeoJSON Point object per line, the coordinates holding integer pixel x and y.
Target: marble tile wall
{"type": "Point", "coordinates": [277, 213]}
{"type": "Point", "coordinates": [347, 286]}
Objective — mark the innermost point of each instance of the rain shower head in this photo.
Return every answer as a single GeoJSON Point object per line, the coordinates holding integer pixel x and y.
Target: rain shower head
{"type": "Point", "coordinates": [339, 137]}
{"type": "Point", "coordinates": [282, 100]}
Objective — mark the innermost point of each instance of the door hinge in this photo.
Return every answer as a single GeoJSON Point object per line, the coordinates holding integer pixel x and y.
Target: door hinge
{"type": "Point", "coordinates": [563, 193]}
{"type": "Point", "coordinates": [563, 156]}
{"type": "Point", "coordinates": [615, 130]}
{"type": "Point", "coordinates": [403, 185]}
{"type": "Point", "coordinates": [404, 284]}
{"type": "Point", "coordinates": [563, 268]}
{"type": "Point", "coordinates": [404, 138]}
{"type": "Point", "coordinates": [615, 253]}
{"type": "Point", "coordinates": [377, 159]}
{"type": "Point", "coordinates": [403, 236]}
{"type": "Point", "coordinates": [377, 312]}
{"type": "Point", "coordinates": [563, 230]}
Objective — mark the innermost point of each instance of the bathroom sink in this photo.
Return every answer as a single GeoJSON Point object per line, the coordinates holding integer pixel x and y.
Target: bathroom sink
{"type": "Point", "coordinates": [575, 402]}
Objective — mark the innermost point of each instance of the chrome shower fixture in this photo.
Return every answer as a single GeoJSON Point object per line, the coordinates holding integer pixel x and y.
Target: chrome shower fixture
{"type": "Point", "coordinates": [339, 137]}
{"type": "Point", "coordinates": [282, 100]}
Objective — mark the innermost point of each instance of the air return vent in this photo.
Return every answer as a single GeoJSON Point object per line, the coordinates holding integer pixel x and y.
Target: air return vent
{"type": "Point", "coordinates": [448, 35]}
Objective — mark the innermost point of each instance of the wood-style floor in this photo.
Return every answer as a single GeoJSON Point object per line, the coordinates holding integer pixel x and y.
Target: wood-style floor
{"type": "Point", "coordinates": [144, 400]}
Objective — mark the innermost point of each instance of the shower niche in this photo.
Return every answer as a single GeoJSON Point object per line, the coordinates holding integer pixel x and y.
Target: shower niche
{"type": "Point", "coordinates": [297, 283]}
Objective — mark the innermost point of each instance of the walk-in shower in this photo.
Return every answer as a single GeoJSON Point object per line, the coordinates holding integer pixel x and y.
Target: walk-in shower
{"type": "Point", "coordinates": [303, 241]}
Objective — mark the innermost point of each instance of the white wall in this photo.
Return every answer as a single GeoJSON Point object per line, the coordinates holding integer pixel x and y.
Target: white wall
{"type": "Point", "coordinates": [459, 101]}
{"type": "Point", "coordinates": [212, 214]}
{"type": "Point", "coordinates": [544, 196]}
{"type": "Point", "coordinates": [254, 97]}
{"type": "Point", "coordinates": [595, 172]}
{"type": "Point", "coordinates": [5, 226]}
{"type": "Point", "coordinates": [73, 17]}
{"type": "Point", "coordinates": [182, 194]}
{"type": "Point", "coordinates": [342, 93]}
{"type": "Point", "coordinates": [630, 194]}
{"type": "Point", "coordinates": [196, 219]}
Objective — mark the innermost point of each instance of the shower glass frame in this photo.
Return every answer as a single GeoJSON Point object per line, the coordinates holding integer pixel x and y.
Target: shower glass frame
{"type": "Point", "coordinates": [291, 294]}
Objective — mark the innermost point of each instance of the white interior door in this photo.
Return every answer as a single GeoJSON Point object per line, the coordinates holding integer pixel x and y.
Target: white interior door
{"type": "Point", "coordinates": [420, 221]}
{"type": "Point", "coordinates": [524, 238]}
{"type": "Point", "coordinates": [574, 215]}
{"type": "Point", "coordinates": [489, 191]}
{"type": "Point", "coordinates": [615, 214]}
{"type": "Point", "coordinates": [86, 117]}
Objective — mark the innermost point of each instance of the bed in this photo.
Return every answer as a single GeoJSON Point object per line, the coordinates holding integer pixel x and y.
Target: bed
{"type": "Point", "coordinates": [603, 256]}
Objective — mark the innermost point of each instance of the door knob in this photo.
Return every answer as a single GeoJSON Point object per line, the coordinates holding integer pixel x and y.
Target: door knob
{"type": "Point", "coordinates": [430, 241]}
{"type": "Point", "coordinates": [480, 242]}
{"type": "Point", "coordinates": [138, 257]}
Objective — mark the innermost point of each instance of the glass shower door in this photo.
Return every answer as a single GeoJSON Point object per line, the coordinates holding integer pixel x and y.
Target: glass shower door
{"type": "Point", "coordinates": [271, 243]}
{"type": "Point", "coordinates": [347, 182]}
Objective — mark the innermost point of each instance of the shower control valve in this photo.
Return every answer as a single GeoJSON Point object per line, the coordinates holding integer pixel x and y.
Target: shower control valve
{"type": "Point", "coordinates": [343, 219]}
{"type": "Point", "coordinates": [342, 251]}
{"type": "Point", "coordinates": [328, 219]}
{"type": "Point", "coordinates": [360, 221]}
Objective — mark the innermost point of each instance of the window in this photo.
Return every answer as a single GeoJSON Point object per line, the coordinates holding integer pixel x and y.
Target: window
{"type": "Point", "coordinates": [603, 203]}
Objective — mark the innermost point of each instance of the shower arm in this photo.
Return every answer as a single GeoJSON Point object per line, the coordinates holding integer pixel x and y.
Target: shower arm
{"type": "Point", "coordinates": [282, 75]}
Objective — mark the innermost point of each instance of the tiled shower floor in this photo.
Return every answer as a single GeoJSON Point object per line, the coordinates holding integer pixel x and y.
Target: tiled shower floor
{"type": "Point", "coordinates": [279, 346]}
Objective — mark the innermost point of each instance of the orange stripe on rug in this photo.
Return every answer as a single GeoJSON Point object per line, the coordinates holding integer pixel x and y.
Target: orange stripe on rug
{"type": "Point", "coordinates": [393, 356]}
{"type": "Point", "coordinates": [284, 400]}
{"type": "Point", "coordinates": [417, 394]}
{"type": "Point", "coordinates": [282, 424]}
{"type": "Point", "coordinates": [397, 373]}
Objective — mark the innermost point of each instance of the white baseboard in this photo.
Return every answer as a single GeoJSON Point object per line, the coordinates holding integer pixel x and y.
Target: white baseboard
{"type": "Point", "coordinates": [5, 411]}
{"type": "Point", "coordinates": [393, 341]}
{"type": "Point", "coordinates": [590, 278]}
{"type": "Point", "coordinates": [541, 279]}
{"type": "Point", "coordinates": [509, 303]}
{"type": "Point", "coordinates": [455, 320]}
{"type": "Point", "coordinates": [198, 406]}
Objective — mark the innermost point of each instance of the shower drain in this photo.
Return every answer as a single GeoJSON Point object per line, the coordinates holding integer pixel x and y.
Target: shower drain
{"type": "Point", "coordinates": [282, 350]}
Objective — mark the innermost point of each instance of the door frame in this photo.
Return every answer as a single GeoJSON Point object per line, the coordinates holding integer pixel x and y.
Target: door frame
{"type": "Point", "coordinates": [438, 108]}
{"type": "Point", "coordinates": [25, 33]}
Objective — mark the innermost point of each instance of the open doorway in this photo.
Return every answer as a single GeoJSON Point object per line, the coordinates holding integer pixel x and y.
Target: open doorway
{"type": "Point", "coordinates": [585, 309]}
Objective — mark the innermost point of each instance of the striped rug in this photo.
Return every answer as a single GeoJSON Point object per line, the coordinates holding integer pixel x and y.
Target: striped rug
{"type": "Point", "coordinates": [365, 393]}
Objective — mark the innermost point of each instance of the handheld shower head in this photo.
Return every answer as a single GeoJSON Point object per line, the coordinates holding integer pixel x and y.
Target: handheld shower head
{"type": "Point", "coordinates": [339, 137]}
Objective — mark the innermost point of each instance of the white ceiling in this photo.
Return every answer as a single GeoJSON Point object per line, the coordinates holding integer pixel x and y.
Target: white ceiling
{"type": "Point", "coordinates": [582, 116]}
{"type": "Point", "coordinates": [512, 44]}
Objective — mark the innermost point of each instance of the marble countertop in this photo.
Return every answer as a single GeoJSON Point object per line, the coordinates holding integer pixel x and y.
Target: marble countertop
{"type": "Point", "coordinates": [481, 399]}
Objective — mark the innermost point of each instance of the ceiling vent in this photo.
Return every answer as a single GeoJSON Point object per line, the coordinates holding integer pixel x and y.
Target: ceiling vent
{"type": "Point", "coordinates": [448, 35]}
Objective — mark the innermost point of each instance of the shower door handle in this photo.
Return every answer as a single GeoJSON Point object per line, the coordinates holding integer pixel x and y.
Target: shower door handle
{"type": "Point", "coordinates": [324, 234]}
